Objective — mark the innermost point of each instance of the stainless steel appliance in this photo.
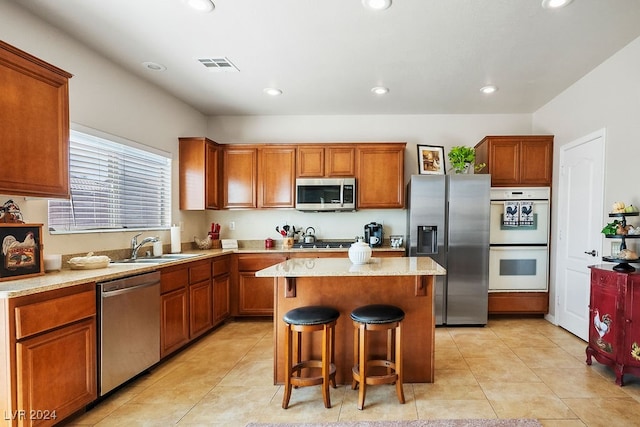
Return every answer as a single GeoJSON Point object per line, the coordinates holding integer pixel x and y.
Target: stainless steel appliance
{"type": "Point", "coordinates": [519, 239]}
{"type": "Point", "coordinates": [326, 194]}
{"type": "Point", "coordinates": [448, 220]}
{"type": "Point", "coordinates": [128, 328]}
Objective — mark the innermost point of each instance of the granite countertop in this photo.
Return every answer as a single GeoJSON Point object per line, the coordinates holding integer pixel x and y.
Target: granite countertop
{"type": "Point", "coordinates": [324, 267]}
{"type": "Point", "coordinates": [67, 277]}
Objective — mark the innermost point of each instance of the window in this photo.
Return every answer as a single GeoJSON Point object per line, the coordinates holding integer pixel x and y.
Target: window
{"type": "Point", "coordinates": [115, 185]}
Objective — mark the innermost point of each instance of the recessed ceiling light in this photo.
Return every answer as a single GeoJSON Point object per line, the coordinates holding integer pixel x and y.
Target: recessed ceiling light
{"type": "Point", "coordinates": [153, 66]}
{"type": "Point", "coordinates": [203, 6]}
{"type": "Point", "coordinates": [555, 4]}
{"type": "Point", "coordinates": [379, 90]}
{"type": "Point", "coordinates": [488, 89]}
{"type": "Point", "coordinates": [272, 91]}
{"type": "Point", "coordinates": [376, 4]}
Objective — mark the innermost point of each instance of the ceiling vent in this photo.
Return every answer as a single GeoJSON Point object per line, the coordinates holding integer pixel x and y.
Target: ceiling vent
{"type": "Point", "coordinates": [218, 65]}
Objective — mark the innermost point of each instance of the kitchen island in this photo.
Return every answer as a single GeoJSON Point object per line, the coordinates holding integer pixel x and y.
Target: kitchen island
{"type": "Point", "coordinates": [407, 282]}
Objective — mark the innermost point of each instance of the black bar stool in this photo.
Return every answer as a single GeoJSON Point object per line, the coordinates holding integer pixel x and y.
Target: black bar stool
{"type": "Point", "coordinates": [302, 320]}
{"type": "Point", "coordinates": [377, 317]}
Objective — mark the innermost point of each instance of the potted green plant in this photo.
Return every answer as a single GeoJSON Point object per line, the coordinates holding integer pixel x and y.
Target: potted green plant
{"type": "Point", "coordinates": [462, 157]}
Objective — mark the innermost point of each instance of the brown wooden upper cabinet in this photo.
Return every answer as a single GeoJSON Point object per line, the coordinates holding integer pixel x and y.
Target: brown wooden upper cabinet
{"type": "Point", "coordinates": [239, 177]}
{"type": "Point", "coordinates": [380, 174]}
{"type": "Point", "coordinates": [34, 99]}
{"type": "Point", "coordinates": [326, 161]}
{"type": "Point", "coordinates": [517, 160]}
{"type": "Point", "coordinates": [199, 168]}
{"type": "Point", "coordinates": [259, 176]}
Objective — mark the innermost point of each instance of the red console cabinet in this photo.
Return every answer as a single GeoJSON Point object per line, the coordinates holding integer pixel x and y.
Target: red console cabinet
{"type": "Point", "coordinates": [614, 340]}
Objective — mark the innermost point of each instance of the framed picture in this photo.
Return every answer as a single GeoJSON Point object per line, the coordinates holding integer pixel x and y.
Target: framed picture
{"type": "Point", "coordinates": [431, 160]}
{"type": "Point", "coordinates": [20, 251]}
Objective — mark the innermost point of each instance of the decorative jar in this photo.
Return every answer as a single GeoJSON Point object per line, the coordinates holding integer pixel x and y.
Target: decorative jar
{"type": "Point", "coordinates": [359, 252]}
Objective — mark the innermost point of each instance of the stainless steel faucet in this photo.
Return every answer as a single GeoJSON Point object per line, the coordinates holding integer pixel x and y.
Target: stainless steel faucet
{"type": "Point", "coordinates": [135, 246]}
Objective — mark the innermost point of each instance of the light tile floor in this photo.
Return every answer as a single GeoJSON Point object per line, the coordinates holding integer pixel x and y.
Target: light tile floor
{"type": "Point", "coordinates": [512, 368]}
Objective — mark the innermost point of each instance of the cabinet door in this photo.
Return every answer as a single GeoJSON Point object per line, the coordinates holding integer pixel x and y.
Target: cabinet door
{"type": "Point", "coordinates": [255, 295]}
{"type": "Point", "coordinates": [380, 176]}
{"type": "Point", "coordinates": [56, 373]}
{"type": "Point", "coordinates": [174, 332]}
{"type": "Point", "coordinates": [239, 178]}
{"type": "Point", "coordinates": [605, 324]}
{"type": "Point", "coordinates": [631, 349]}
{"type": "Point", "coordinates": [221, 298]}
{"type": "Point", "coordinates": [536, 161]}
{"type": "Point", "coordinates": [199, 168]}
{"type": "Point", "coordinates": [34, 100]}
{"type": "Point", "coordinates": [310, 161]}
{"type": "Point", "coordinates": [200, 308]}
{"type": "Point", "coordinates": [276, 177]}
{"type": "Point", "coordinates": [340, 161]}
{"type": "Point", "coordinates": [212, 182]}
{"type": "Point", "coordinates": [504, 162]}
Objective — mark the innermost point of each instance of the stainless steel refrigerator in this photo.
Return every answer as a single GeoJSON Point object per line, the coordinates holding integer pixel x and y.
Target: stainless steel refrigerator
{"type": "Point", "coordinates": [448, 220]}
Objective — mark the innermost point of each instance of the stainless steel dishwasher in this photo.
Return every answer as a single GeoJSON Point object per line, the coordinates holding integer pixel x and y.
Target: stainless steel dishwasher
{"type": "Point", "coordinates": [129, 328]}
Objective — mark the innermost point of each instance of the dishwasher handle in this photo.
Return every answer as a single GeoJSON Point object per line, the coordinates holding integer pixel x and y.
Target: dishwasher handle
{"type": "Point", "coordinates": [127, 284]}
{"type": "Point", "coordinates": [115, 292]}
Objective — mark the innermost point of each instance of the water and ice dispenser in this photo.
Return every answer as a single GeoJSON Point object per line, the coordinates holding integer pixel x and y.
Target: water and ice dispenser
{"type": "Point", "coordinates": [427, 240]}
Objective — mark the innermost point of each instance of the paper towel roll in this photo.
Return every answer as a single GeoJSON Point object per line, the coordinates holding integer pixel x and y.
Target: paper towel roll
{"type": "Point", "coordinates": [175, 239]}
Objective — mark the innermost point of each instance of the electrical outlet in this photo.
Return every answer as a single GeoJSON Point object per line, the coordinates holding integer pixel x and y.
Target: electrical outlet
{"type": "Point", "coordinates": [232, 225]}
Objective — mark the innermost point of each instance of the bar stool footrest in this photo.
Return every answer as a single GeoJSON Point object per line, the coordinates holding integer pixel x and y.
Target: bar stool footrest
{"type": "Point", "coordinates": [298, 381]}
{"type": "Point", "coordinates": [390, 378]}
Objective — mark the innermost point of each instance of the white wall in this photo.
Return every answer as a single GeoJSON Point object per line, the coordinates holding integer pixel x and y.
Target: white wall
{"type": "Point", "coordinates": [443, 130]}
{"type": "Point", "coordinates": [105, 97]}
{"type": "Point", "coordinates": [608, 97]}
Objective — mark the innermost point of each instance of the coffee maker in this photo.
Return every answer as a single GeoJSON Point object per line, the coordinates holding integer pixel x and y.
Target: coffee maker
{"type": "Point", "coordinates": [373, 234]}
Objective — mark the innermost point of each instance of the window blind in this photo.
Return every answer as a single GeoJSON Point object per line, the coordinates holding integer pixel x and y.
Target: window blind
{"type": "Point", "coordinates": [113, 186]}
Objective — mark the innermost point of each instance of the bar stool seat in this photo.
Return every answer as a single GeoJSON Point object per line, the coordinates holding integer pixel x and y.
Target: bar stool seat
{"type": "Point", "coordinates": [305, 320]}
{"type": "Point", "coordinates": [377, 317]}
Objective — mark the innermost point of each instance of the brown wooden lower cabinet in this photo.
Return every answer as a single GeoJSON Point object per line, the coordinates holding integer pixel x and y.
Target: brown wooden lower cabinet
{"type": "Point", "coordinates": [174, 323]}
{"type": "Point", "coordinates": [186, 298]}
{"type": "Point", "coordinates": [518, 303]}
{"type": "Point", "coordinates": [52, 357]}
{"type": "Point", "coordinates": [250, 295]}
{"type": "Point", "coordinates": [221, 289]}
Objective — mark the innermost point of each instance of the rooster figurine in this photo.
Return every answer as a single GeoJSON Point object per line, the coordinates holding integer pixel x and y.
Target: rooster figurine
{"type": "Point", "coordinates": [602, 327]}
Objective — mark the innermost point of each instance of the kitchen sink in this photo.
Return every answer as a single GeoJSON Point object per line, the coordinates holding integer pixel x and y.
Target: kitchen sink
{"type": "Point", "coordinates": [156, 260]}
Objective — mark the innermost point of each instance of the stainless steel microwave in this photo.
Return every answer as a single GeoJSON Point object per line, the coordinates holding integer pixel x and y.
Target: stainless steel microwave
{"type": "Point", "coordinates": [326, 194]}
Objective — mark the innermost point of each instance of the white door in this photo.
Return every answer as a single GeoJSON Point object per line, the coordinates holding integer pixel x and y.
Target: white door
{"type": "Point", "coordinates": [578, 241]}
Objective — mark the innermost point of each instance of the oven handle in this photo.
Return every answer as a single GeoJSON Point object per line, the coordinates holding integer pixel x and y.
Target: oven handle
{"type": "Point", "coordinates": [505, 247]}
{"type": "Point", "coordinates": [538, 201]}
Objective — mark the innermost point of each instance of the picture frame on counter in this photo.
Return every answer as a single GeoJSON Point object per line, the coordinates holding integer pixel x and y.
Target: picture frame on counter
{"type": "Point", "coordinates": [20, 251]}
{"type": "Point", "coordinates": [431, 160]}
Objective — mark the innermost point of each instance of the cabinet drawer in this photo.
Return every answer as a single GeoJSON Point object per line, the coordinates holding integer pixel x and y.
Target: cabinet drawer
{"type": "Point", "coordinates": [603, 278]}
{"type": "Point", "coordinates": [172, 279]}
{"type": "Point", "coordinates": [199, 271]}
{"type": "Point", "coordinates": [59, 311]}
{"type": "Point", "coordinates": [258, 262]}
{"type": "Point", "coordinates": [221, 266]}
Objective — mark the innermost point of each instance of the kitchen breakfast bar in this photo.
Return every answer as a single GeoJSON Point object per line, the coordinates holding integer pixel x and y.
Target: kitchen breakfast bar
{"type": "Point", "coordinates": [406, 282]}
